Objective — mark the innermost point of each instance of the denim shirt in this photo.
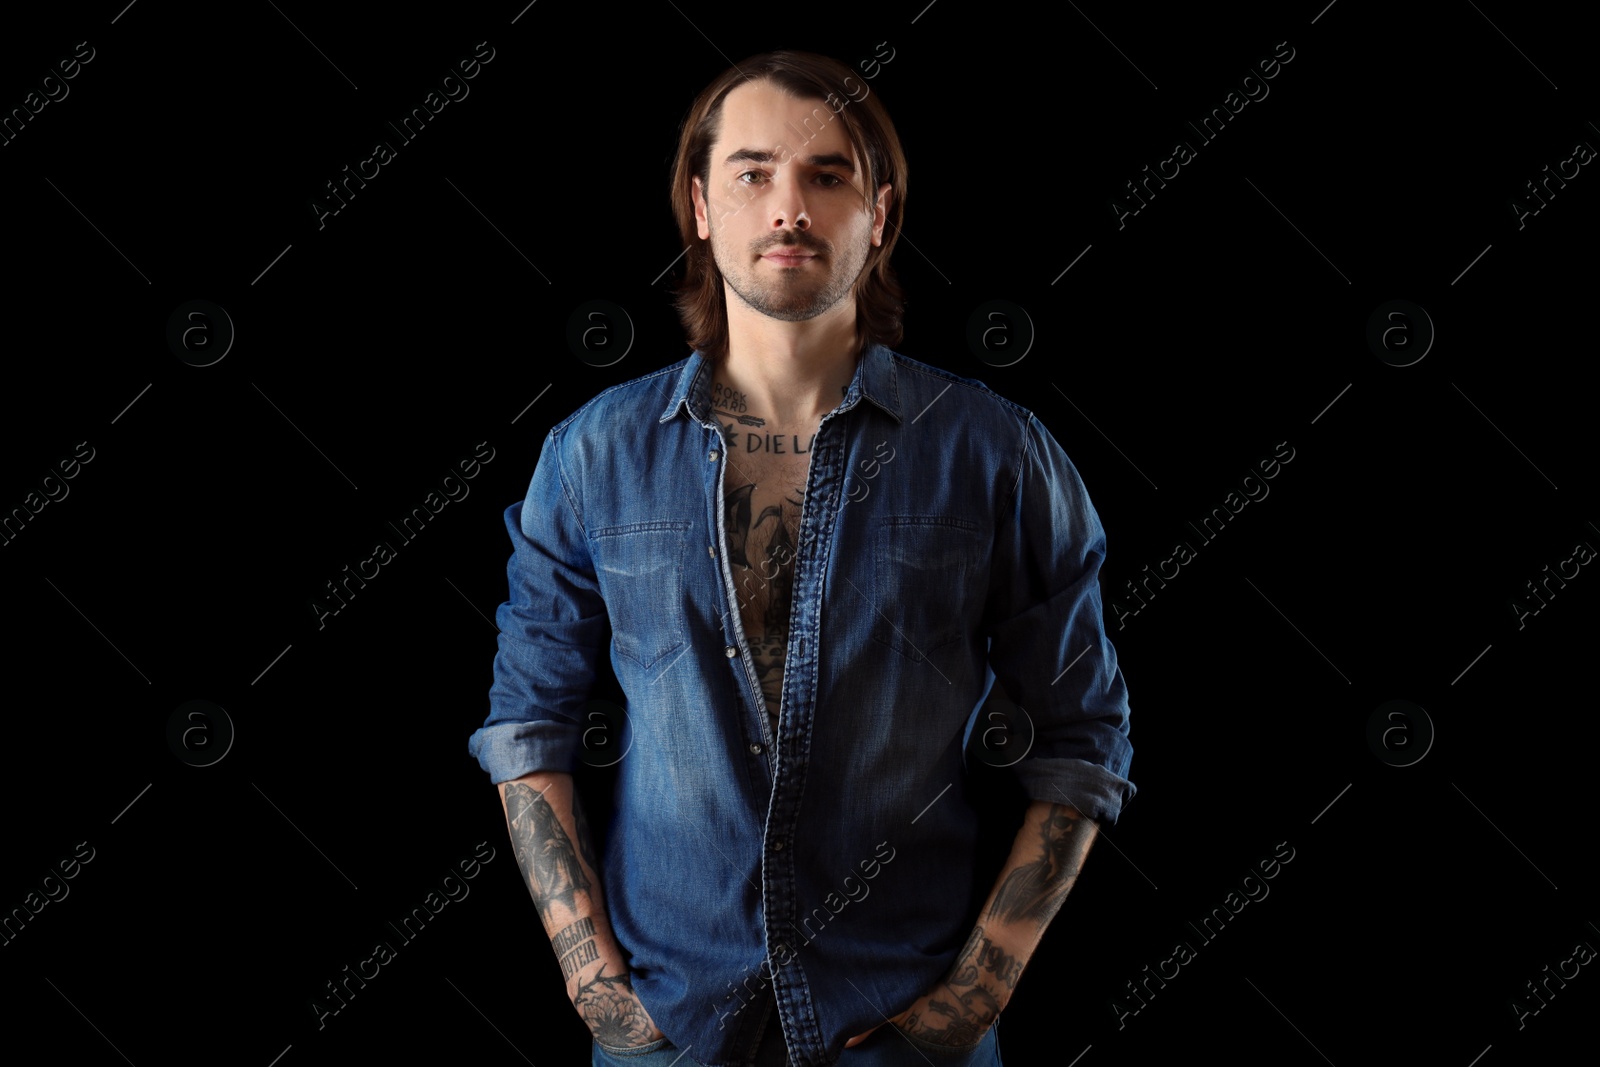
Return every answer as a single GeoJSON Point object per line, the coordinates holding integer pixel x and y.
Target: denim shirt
{"type": "Point", "coordinates": [821, 877]}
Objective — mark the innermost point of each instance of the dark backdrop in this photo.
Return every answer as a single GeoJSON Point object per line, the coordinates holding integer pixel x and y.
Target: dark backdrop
{"type": "Point", "coordinates": [1171, 349]}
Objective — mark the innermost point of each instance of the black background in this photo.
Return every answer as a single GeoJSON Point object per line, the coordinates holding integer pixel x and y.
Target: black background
{"type": "Point", "coordinates": [1227, 316]}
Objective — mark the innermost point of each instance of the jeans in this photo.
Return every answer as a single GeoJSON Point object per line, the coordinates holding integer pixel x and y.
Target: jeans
{"type": "Point", "coordinates": [886, 1047]}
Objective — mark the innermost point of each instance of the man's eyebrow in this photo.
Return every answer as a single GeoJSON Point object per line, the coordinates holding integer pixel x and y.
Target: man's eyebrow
{"type": "Point", "coordinates": [757, 155]}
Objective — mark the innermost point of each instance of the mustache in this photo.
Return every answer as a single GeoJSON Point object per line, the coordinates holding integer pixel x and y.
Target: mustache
{"type": "Point", "coordinates": [794, 240]}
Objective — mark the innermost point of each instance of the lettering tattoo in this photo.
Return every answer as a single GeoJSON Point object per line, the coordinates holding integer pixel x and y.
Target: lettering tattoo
{"type": "Point", "coordinates": [569, 938]}
{"type": "Point", "coordinates": [998, 962]}
{"type": "Point", "coordinates": [774, 444]}
{"type": "Point", "coordinates": [612, 1012]}
{"type": "Point", "coordinates": [576, 947]}
{"type": "Point", "coordinates": [729, 400]}
{"type": "Point", "coordinates": [1035, 890]}
{"type": "Point", "coordinates": [544, 852]}
{"type": "Point", "coordinates": [967, 1004]}
{"type": "Point", "coordinates": [726, 401]}
{"type": "Point", "coordinates": [579, 958]}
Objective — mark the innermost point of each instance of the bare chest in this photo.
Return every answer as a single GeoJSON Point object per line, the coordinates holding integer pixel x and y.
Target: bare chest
{"type": "Point", "coordinates": [764, 495]}
{"type": "Point", "coordinates": [763, 499]}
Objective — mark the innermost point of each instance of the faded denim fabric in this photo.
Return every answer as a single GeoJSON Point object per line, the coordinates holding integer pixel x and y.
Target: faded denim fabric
{"type": "Point", "coordinates": [946, 544]}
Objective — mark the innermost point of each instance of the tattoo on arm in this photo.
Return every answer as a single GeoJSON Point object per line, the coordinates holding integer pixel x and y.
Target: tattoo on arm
{"type": "Point", "coordinates": [544, 852]}
{"type": "Point", "coordinates": [967, 1005]}
{"type": "Point", "coordinates": [998, 962]}
{"type": "Point", "coordinates": [612, 1011]}
{"type": "Point", "coordinates": [576, 947]}
{"type": "Point", "coordinates": [968, 1001]}
{"type": "Point", "coordinates": [1035, 890]}
{"type": "Point", "coordinates": [958, 1020]}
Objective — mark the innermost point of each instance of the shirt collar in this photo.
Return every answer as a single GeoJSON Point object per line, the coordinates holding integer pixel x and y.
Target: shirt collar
{"type": "Point", "coordinates": [875, 379]}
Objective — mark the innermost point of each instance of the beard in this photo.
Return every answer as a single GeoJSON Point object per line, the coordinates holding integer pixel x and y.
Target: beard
{"type": "Point", "coordinates": [791, 294]}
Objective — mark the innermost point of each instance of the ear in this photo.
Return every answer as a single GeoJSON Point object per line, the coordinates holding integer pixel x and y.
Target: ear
{"type": "Point", "coordinates": [880, 211]}
{"type": "Point", "coordinates": [701, 221]}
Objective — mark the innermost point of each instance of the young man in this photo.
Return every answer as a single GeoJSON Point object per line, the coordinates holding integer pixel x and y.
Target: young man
{"type": "Point", "coordinates": [815, 557]}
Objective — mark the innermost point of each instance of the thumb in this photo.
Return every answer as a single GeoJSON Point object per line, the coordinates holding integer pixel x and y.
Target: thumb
{"type": "Point", "coordinates": [854, 1041]}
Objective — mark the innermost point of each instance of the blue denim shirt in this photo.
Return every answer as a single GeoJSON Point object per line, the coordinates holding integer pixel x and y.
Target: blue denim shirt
{"type": "Point", "coordinates": [946, 544]}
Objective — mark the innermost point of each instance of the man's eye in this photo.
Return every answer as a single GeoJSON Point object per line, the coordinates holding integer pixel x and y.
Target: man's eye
{"type": "Point", "coordinates": [834, 181]}
{"type": "Point", "coordinates": [756, 173]}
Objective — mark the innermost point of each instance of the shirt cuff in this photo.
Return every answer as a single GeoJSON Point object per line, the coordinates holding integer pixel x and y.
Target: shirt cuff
{"type": "Point", "coordinates": [507, 751]}
{"type": "Point", "coordinates": [1093, 790]}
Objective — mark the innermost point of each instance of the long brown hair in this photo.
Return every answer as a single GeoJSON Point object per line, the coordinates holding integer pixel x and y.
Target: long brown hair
{"type": "Point", "coordinates": [700, 297]}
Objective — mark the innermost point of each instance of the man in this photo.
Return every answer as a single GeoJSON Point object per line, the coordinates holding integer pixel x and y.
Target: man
{"type": "Point", "coordinates": [816, 557]}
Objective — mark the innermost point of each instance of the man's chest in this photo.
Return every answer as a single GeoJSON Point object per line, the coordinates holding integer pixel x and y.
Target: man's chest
{"type": "Point", "coordinates": [763, 497]}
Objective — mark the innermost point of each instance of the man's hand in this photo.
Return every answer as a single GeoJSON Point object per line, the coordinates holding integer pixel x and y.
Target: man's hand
{"type": "Point", "coordinates": [1044, 863]}
{"type": "Point", "coordinates": [947, 1015]}
{"type": "Point", "coordinates": [612, 1012]}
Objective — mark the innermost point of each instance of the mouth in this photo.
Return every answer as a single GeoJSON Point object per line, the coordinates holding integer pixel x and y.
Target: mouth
{"type": "Point", "coordinates": [789, 256]}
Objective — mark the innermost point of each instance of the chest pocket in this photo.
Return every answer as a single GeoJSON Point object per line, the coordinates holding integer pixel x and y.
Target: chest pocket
{"type": "Point", "coordinates": [922, 567]}
{"type": "Point", "coordinates": [640, 568]}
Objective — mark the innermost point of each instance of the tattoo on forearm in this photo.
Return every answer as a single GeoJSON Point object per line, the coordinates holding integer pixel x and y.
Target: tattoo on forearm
{"type": "Point", "coordinates": [544, 852]}
{"type": "Point", "coordinates": [568, 939]}
{"type": "Point", "coordinates": [998, 962]}
{"type": "Point", "coordinates": [576, 946]}
{"type": "Point", "coordinates": [959, 1021]}
{"type": "Point", "coordinates": [579, 958]}
{"type": "Point", "coordinates": [612, 1012]}
{"type": "Point", "coordinates": [960, 1012]}
{"type": "Point", "coordinates": [1035, 890]}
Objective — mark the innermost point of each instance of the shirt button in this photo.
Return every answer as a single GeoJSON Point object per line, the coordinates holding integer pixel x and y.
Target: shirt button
{"type": "Point", "coordinates": [713, 457]}
{"type": "Point", "coordinates": [730, 652]}
{"type": "Point", "coordinates": [777, 846]}
{"type": "Point", "coordinates": [712, 551]}
{"type": "Point", "coordinates": [755, 748]}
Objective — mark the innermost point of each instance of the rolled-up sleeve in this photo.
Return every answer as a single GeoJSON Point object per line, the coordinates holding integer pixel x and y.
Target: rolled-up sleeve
{"type": "Point", "coordinates": [551, 632]}
{"type": "Point", "coordinates": [1048, 644]}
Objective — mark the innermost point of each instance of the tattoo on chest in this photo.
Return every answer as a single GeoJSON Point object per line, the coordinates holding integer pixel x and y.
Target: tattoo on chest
{"type": "Point", "coordinates": [762, 540]}
{"type": "Point", "coordinates": [766, 444]}
{"type": "Point", "coordinates": [764, 580]}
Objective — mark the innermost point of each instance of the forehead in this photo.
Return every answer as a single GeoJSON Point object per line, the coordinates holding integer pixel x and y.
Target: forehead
{"type": "Point", "coordinates": [762, 115]}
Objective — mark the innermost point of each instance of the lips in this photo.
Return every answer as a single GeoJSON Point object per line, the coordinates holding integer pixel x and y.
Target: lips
{"type": "Point", "coordinates": [789, 254]}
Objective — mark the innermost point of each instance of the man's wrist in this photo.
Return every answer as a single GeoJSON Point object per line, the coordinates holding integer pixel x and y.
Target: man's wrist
{"type": "Point", "coordinates": [582, 965]}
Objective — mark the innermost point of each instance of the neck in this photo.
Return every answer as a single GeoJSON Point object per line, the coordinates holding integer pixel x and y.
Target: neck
{"type": "Point", "coordinates": [790, 373]}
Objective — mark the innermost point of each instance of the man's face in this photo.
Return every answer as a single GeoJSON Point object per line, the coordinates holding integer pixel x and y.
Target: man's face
{"type": "Point", "coordinates": [786, 211]}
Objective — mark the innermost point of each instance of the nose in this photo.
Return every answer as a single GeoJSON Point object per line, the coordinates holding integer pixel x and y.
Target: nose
{"type": "Point", "coordinates": [788, 205]}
